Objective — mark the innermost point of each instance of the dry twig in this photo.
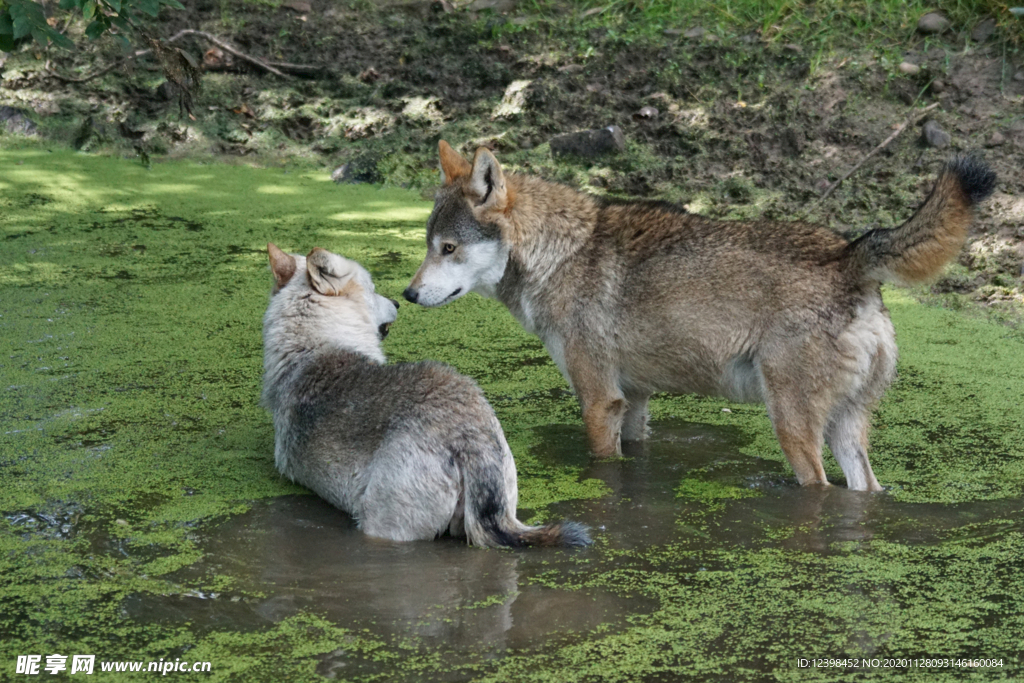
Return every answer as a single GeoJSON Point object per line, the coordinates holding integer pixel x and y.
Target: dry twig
{"type": "Point", "coordinates": [914, 117]}
{"type": "Point", "coordinates": [228, 48]}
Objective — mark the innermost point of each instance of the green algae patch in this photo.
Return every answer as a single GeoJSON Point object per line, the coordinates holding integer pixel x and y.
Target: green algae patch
{"type": "Point", "coordinates": [130, 310]}
{"type": "Point", "coordinates": [712, 493]}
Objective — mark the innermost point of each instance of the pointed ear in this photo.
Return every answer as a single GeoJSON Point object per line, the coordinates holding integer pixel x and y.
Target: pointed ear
{"type": "Point", "coordinates": [453, 164]}
{"type": "Point", "coordinates": [487, 181]}
{"type": "Point", "coordinates": [282, 265]}
{"type": "Point", "coordinates": [328, 273]}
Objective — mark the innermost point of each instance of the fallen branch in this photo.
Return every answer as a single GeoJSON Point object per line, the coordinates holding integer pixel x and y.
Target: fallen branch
{"type": "Point", "coordinates": [914, 117]}
{"type": "Point", "coordinates": [236, 52]}
{"type": "Point", "coordinates": [99, 73]}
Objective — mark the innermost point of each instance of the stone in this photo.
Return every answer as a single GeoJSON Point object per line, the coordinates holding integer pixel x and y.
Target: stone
{"type": "Point", "coordinates": [909, 69]}
{"type": "Point", "coordinates": [647, 113]}
{"type": "Point", "coordinates": [934, 136]}
{"type": "Point", "coordinates": [513, 101]}
{"type": "Point", "coordinates": [16, 121]}
{"type": "Point", "coordinates": [499, 6]}
{"type": "Point", "coordinates": [1019, 76]}
{"type": "Point", "coordinates": [983, 30]}
{"type": "Point", "coordinates": [694, 33]}
{"type": "Point", "coordinates": [938, 86]}
{"type": "Point", "coordinates": [996, 139]}
{"type": "Point", "coordinates": [933, 22]}
{"type": "Point", "coordinates": [589, 143]}
{"type": "Point", "coordinates": [300, 6]}
{"type": "Point", "coordinates": [362, 169]}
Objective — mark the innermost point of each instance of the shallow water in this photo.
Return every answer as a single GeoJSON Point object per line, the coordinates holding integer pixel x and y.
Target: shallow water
{"type": "Point", "coordinates": [141, 515]}
{"type": "Point", "coordinates": [297, 554]}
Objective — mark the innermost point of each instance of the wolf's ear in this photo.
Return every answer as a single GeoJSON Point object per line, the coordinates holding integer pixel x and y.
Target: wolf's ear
{"type": "Point", "coordinates": [453, 164]}
{"type": "Point", "coordinates": [487, 181]}
{"type": "Point", "coordinates": [282, 265]}
{"type": "Point", "coordinates": [328, 273]}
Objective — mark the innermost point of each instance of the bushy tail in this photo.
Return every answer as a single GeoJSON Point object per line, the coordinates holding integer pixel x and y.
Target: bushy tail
{"type": "Point", "coordinates": [917, 250]}
{"type": "Point", "coordinates": [490, 506]}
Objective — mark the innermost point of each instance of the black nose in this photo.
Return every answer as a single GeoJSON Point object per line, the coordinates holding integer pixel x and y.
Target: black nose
{"type": "Point", "coordinates": [394, 302]}
{"type": "Point", "coordinates": [411, 294]}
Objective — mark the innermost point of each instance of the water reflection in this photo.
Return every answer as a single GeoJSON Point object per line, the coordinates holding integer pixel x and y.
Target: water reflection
{"type": "Point", "coordinates": [300, 554]}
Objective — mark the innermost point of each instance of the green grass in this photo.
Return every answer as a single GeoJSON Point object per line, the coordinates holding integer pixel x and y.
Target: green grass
{"type": "Point", "coordinates": [835, 23]}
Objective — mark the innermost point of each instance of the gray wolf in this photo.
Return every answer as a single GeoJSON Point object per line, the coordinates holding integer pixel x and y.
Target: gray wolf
{"type": "Point", "coordinates": [630, 298]}
{"type": "Point", "coordinates": [409, 450]}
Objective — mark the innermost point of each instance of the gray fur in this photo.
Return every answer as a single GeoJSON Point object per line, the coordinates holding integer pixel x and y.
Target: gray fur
{"type": "Point", "coordinates": [410, 450]}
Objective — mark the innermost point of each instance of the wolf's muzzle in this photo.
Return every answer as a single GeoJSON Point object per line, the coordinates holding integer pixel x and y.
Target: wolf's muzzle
{"type": "Point", "coordinates": [411, 294]}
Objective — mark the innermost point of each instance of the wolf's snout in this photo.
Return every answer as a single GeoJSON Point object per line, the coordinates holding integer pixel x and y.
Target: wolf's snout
{"type": "Point", "coordinates": [394, 302]}
{"type": "Point", "coordinates": [411, 295]}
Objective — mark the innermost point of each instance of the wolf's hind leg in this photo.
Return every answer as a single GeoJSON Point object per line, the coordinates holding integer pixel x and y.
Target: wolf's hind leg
{"type": "Point", "coordinates": [847, 436]}
{"type": "Point", "coordinates": [634, 424]}
{"type": "Point", "coordinates": [799, 421]}
{"type": "Point", "coordinates": [412, 493]}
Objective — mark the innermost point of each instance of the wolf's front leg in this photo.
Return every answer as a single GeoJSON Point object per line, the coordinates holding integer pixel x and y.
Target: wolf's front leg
{"type": "Point", "coordinates": [603, 420]}
{"type": "Point", "coordinates": [634, 424]}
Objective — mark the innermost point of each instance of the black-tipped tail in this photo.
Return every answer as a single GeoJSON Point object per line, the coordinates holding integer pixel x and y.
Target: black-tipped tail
{"type": "Point", "coordinates": [977, 180]}
{"type": "Point", "coordinates": [560, 534]}
{"type": "Point", "coordinates": [918, 250]}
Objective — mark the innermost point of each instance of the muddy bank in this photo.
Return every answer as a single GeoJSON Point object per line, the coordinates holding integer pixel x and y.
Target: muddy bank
{"type": "Point", "coordinates": [729, 115]}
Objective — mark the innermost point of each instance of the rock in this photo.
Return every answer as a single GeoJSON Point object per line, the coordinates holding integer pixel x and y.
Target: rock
{"type": "Point", "coordinates": [996, 139]}
{"type": "Point", "coordinates": [513, 101]}
{"type": "Point", "coordinates": [793, 47]}
{"type": "Point", "coordinates": [694, 33]}
{"type": "Point", "coordinates": [646, 114]}
{"type": "Point", "coordinates": [589, 143]}
{"type": "Point", "coordinates": [934, 136]}
{"type": "Point", "coordinates": [984, 29]}
{"type": "Point", "coordinates": [933, 22]}
{"type": "Point", "coordinates": [362, 169]}
{"type": "Point", "coordinates": [1017, 127]}
{"type": "Point", "coordinates": [1019, 76]}
{"type": "Point", "coordinates": [938, 86]}
{"type": "Point", "coordinates": [499, 6]}
{"type": "Point", "coordinates": [672, 32]}
{"type": "Point", "coordinates": [300, 6]}
{"type": "Point", "coordinates": [909, 68]}
{"type": "Point", "coordinates": [16, 121]}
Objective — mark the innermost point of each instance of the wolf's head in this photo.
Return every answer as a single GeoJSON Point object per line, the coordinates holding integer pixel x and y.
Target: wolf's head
{"type": "Point", "coordinates": [465, 251]}
{"type": "Point", "coordinates": [323, 300]}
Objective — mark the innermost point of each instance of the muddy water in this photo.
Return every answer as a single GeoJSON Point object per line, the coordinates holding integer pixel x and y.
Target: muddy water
{"type": "Point", "coordinates": [687, 485]}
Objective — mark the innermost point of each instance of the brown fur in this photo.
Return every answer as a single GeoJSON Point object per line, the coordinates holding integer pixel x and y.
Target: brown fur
{"type": "Point", "coordinates": [637, 297]}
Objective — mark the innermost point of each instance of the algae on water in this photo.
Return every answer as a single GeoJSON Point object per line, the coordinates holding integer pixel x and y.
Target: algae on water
{"type": "Point", "coordinates": [130, 313]}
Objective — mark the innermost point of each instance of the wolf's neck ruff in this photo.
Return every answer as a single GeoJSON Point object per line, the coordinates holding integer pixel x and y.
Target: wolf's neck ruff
{"type": "Point", "coordinates": [546, 225]}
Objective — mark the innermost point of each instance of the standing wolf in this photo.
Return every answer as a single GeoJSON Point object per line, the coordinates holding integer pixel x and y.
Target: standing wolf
{"type": "Point", "coordinates": [638, 297]}
{"type": "Point", "coordinates": [410, 450]}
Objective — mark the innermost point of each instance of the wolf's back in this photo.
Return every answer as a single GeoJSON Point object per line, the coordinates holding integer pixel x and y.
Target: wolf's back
{"type": "Point", "coordinates": [917, 250]}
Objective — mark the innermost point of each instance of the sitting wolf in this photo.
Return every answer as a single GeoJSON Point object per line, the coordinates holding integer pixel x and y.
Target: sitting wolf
{"type": "Point", "coordinates": [410, 450]}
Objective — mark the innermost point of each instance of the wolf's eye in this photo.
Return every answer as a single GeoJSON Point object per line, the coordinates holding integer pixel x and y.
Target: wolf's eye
{"type": "Point", "coordinates": [447, 248]}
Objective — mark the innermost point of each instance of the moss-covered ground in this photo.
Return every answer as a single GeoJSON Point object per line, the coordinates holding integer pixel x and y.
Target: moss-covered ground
{"type": "Point", "coordinates": [130, 309]}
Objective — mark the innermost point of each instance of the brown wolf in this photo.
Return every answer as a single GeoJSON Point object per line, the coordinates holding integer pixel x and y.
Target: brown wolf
{"type": "Point", "coordinates": [631, 298]}
{"type": "Point", "coordinates": [410, 450]}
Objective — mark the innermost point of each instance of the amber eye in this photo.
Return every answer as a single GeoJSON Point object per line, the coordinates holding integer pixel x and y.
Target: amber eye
{"type": "Point", "coordinates": [447, 248]}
